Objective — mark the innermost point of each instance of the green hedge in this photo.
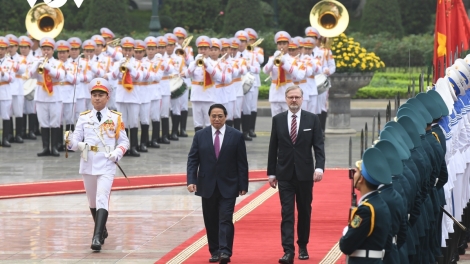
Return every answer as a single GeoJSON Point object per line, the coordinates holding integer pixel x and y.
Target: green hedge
{"type": "Point", "coordinates": [380, 93]}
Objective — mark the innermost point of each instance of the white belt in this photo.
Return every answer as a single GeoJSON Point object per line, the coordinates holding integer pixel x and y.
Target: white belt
{"type": "Point", "coordinates": [85, 148]}
{"type": "Point", "coordinates": [364, 253]}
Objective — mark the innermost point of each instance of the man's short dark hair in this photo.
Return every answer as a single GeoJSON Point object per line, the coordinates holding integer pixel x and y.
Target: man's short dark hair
{"type": "Point", "coordinates": [220, 106]}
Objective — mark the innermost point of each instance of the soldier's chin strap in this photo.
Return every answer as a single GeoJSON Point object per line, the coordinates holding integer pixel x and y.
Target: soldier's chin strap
{"type": "Point", "coordinates": [107, 151]}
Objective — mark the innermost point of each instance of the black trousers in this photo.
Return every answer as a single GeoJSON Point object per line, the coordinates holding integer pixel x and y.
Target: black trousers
{"type": "Point", "coordinates": [290, 193]}
{"type": "Point", "coordinates": [218, 219]}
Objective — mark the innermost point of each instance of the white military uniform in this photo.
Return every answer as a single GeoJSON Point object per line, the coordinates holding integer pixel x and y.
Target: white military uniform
{"type": "Point", "coordinates": [29, 106]}
{"type": "Point", "coordinates": [96, 169]}
{"type": "Point", "coordinates": [155, 96]}
{"type": "Point", "coordinates": [253, 66]}
{"type": "Point", "coordinates": [6, 78]}
{"type": "Point", "coordinates": [327, 62]}
{"type": "Point", "coordinates": [17, 85]}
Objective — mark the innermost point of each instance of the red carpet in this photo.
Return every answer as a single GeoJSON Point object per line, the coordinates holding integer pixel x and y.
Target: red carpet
{"type": "Point", "coordinates": [257, 235]}
{"type": "Point", "coordinates": [120, 183]}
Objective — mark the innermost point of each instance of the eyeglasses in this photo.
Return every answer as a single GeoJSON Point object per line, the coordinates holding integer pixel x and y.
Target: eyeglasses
{"type": "Point", "coordinates": [294, 97]}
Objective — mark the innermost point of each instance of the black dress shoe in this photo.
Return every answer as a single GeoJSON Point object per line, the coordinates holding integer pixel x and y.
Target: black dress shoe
{"type": "Point", "coordinates": [288, 258]}
{"type": "Point", "coordinates": [224, 258]}
{"type": "Point", "coordinates": [214, 258]}
{"type": "Point", "coordinates": [303, 254]}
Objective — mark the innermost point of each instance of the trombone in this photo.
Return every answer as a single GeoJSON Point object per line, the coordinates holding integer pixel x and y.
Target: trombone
{"type": "Point", "coordinates": [114, 42]}
{"type": "Point", "coordinates": [185, 43]}
{"type": "Point", "coordinates": [254, 45]}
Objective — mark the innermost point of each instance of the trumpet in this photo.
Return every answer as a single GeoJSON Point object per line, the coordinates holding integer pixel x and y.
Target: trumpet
{"type": "Point", "coordinates": [185, 43]}
{"type": "Point", "coordinates": [114, 42]}
{"type": "Point", "coordinates": [41, 66]}
{"type": "Point", "coordinates": [277, 60]}
{"type": "Point", "coordinates": [200, 62]}
{"type": "Point", "coordinates": [254, 45]}
{"type": "Point", "coordinates": [123, 67]}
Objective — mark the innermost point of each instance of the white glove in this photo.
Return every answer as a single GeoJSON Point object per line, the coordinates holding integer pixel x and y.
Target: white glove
{"type": "Point", "coordinates": [277, 53]}
{"type": "Point", "coordinates": [41, 60]}
{"type": "Point", "coordinates": [283, 58]}
{"type": "Point", "coordinates": [95, 67]}
{"type": "Point", "coordinates": [345, 230]}
{"type": "Point", "coordinates": [81, 146]}
{"type": "Point", "coordinates": [112, 156]}
{"type": "Point", "coordinates": [199, 56]}
{"type": "Point", "coordinates": [158, 56]}
{"type": "Point", "coordinates": [122, 60]}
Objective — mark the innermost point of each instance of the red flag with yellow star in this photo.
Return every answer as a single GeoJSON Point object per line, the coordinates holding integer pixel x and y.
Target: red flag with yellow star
{"type": "Point", "coordinates": [451, 34]}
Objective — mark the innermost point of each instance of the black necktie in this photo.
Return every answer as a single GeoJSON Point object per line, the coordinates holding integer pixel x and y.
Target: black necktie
{"type": "Point", "coordinates": [34, 53]}
{"type": "Point", "coordinates": [98, 115]}
{"type": "Point", "coordinates": [97, 58]}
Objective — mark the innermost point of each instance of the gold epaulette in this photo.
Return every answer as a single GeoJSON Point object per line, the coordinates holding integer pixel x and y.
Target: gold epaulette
{"type": "Point", "coordinates": [86, 112]}
{"type": "Point", "coordinates": [116, 112]}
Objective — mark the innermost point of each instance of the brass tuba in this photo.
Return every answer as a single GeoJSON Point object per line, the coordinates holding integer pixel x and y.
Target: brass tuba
{"type": "Point", "coordinates": [330, 18]}
{"type": "Point", "coordinates": [44, 21]}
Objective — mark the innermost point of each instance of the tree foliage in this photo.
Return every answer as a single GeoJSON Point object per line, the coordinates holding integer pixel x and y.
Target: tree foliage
{"type": "Point", "coordinates": [194, 15]}
{"type": "Point", "coordinates": [12, 15]}
{"type": "Point", "coordinates": [382, 16]}
{"type": "Point", "coordinates": [108, 13]}
{"type": "Point", "coordinates": [293, 15]}
{"type": "Point", "coordinates": [416, 15]}
{"type": "Point", "coordinates": [240, 14]}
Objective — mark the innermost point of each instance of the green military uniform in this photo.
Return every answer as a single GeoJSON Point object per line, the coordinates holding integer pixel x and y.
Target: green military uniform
{"type": "Point", "coordinates": [365, 238]}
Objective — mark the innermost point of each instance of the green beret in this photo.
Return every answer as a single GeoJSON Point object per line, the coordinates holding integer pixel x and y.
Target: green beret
{"type": "Point", "coordinates": [391, 154]}
{"type": "Point", "coordinates": [430, 105]}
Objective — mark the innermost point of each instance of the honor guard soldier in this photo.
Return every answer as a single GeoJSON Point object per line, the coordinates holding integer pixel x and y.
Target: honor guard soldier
{"type": "Point", "coordinates": [253, 68]}
{"type": "Point", "coordinates": [143, 91]}
{"type": "Point", "coordinates": [17, 89]}
{"type": "Point", "coordinates": [365, 237]}
{"type": "Point", "coordinates": [7, 76]}
{"type": "Point", "coordinates": [281, 69]}
{"type": "Point", "coordinates": [101, 137]}
{"type": "Point", "coordinates": [181, 34]}
{"type": "Point", "coordinates": [47, 70]}
{"type": "Point", "coordinates": [228, 93]}
{"type": "Point", "coordinates": [165, 88]}
{"type": "Point", "coordinates": [237, 86]}
{"type": "Point", "coordinates": [258, 53]}
{"type": "Point", "coordinates": [127, 96]}
{"type": "Point", "coordinates": [203, 76]}
{"type": "Point", "coordinates": [66, 87]}
{"type": "Point", "coordinates": [154, 94]}
{"type": "Point", "coordinates": [179, 66]}
{"type": "Point", "coordinates": [396, 205]}
{"type": "Point", "coordinates": [29, 110]}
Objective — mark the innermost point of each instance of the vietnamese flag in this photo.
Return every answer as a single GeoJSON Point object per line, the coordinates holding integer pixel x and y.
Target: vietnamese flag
{"type": "Point", "coordinates": [451, 34]}
{"type": "Point", "coordinates": [47, 84]}
{"type": "Point", "coordinates": [127, 81]}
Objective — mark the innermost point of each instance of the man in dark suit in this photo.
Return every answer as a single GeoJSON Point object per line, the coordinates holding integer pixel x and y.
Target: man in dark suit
{"type": "Point", "coordinates": [290, 164]}
{"type": "Point", "coordinates": [218, 172]}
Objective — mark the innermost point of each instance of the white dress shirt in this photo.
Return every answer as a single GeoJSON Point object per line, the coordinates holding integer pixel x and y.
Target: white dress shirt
{"type": "Point", "coordinates": [221, 135]}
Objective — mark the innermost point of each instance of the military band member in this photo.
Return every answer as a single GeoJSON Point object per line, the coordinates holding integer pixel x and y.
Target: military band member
{"type": "Point", "coordinates": [37, 53]}
{"type": "Point", "coordinates": [127, 96]}
{"type": "Point", "coordinates": [222, 65]}
{"type": "Point", "coordinates": [257, 53]}
{"type": "Point", "coordinates": [181, 34]}
{"type": "Point", "coordinates": [86, 75]}
{"type": "Point", "coordinates": [281, 76]}
{"type": "Point", "coordinates": [114, 52]}
{"type": "Point", "coordinates": [154, 95]}
{"type": "Point", "coordinates": [143, 91]}
{"type": "Point", "coordinates": [66, 89]}
{"type": "Point", "coordinates": [295, 51]}
{"type": "Point", "coordinates": [29, 110]}
{"type": "Point", "coordinates": [47, 97]}
{"type": "Point", "coordinates": [227, 89]}
{"type": "Point", "coordinates": [7, 76]}
{"type": "Point", "coordinates": [203, 76]}
{"type": "Point", "coordinates": [17, 90]}
{"type": "Point", "coordinates": [101, 137]}
{"type": "Point", "coordinates": [309, 45]}
{"type": "Point", "coordinates": [253, 68]}
{"type": "Point", "coordinates": [365, 237]}
{"type": "Point", "coordinates": [237, 85]}
{"type": "Point", "coordinates": [328, 68]}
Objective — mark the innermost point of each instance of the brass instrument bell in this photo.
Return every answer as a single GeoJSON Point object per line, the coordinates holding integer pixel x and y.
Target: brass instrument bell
{"type": "Point", "coordinates": [44, 21]}
{"type": "Point", "coordinates": [329, 17]}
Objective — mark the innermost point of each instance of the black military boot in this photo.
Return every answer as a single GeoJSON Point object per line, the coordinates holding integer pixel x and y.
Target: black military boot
{"type": "Point", "coordinates": [19, 130]}
{"type": "Point", "coordinates": [134, 142]}
{"type": "Point", "coordinates": [100, 223]}
{"type": "Point", "coordinates": [24, 123]}
{"type": "Point", "coordinates": [11, 138]}
{"type": "Point", "coordinates": [246, 120]}
{"type": "Point", "coordinates": [183, 121]}
{"type": "Point", "coordinates": [155, 135]}
{"type": "Point", "coordinates": [236, 123]}
{"type": "Point", "coordinates": [60, 139]}
{"type": "Point", "coordinates": [165, 131]}
{"type": "Point", "coordinates": [31, 127]}
{"type": "Point", "coordinates": [6, 132]}
{"type": "Point", "coordinates": [144, 138]}
{"type": "Point", "coordinates": [46, 136]}
{"type": "Point", "coordinates": [36, 129]}
{"type": "Point", "coordinates": [229, 123]}
{"type": "Point", "coordinates": [252, 124]}
{"type": "Point", "coordinates": [55, 133]}
{"type": "Point", "coordinates": [105, 231]}
{"type": "Point", "coordinates": [175, 122]}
